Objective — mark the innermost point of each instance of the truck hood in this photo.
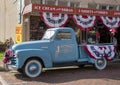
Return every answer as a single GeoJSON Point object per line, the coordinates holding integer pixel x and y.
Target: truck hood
{"type": "Point", "coordinates": [31, 45]}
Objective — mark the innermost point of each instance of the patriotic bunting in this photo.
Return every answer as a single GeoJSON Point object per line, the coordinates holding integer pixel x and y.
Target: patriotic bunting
{"type": "Point", "coordinates": [84, 22]}
{"type": "Point", "coordinates": [54, 20]}
{"type": "Point", "coordinates": [8, 54]}
{"type": "Point", "coordinates": [110, 22]}
{"type": "Point", "coordinates": [97, 52]}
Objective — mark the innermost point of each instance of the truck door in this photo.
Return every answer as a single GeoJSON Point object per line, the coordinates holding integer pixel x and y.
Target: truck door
{"type": "Point", "coordinates": [65, 47]}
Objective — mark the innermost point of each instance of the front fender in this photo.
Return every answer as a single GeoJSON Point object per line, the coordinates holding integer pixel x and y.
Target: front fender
{"type": "Point", "coordinates": [23, 55]}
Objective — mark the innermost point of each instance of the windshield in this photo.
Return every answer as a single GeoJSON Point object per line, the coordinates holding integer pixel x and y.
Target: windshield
{"type": "Point", "coordinates": [48, 35]}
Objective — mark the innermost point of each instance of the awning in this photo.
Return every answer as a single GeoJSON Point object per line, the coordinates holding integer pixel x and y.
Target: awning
{"type": "Point", "coordinates": [57, 16]}
{"type": "Point", "coordinates": [27, 9]}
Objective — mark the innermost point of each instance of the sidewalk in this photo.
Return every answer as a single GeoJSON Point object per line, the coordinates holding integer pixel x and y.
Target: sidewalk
{"type": "Point", "coordinates": [2, 82]}
{"type": "Point", "coordinates": [9, 78]}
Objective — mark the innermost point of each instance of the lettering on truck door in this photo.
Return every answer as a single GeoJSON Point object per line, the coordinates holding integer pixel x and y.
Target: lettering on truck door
{"type": "Point", "coordinates": [64, 47]}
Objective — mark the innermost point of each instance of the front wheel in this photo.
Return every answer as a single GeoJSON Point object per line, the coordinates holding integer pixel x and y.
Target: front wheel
{"type": "Point", "coordinates": [100, 64]}
{"type": "Point", "coordinates": [33, 68]}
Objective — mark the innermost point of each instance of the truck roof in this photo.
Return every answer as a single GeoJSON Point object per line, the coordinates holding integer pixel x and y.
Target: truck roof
{"type": "Point", "coordinates": [60, 28]}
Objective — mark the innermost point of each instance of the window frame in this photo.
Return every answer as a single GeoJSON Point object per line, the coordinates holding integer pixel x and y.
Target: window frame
{"type": "Point", "coordinates": [62, 35]}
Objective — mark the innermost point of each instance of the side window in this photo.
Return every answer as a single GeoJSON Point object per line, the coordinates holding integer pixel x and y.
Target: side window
{"type": "Point", "coordinates": [63, 35]}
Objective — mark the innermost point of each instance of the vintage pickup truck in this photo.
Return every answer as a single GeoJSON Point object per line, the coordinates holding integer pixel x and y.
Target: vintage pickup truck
{"type": "Point", "coordinates": [57, 48]}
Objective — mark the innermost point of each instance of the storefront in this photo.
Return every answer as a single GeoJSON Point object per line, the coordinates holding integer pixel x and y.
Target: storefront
{"type": "Point", "coordinates": [90, 25]}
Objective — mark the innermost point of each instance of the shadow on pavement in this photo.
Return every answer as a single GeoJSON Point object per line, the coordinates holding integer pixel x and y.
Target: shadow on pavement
{"type": "Point", "coordinates": [73, 74]}
{"type": "Point", "coordinates": [1, 69]}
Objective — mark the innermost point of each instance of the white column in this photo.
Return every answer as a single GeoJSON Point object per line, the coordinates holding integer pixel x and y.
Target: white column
{"type": "Point", "coordinates": [56, 2]}
{"type": "Point", "coordinates": [107, 7]}
{"type": "Point", "coordinates": [98, 6]}
{"type": "Point", "coordinates": [68, 3]}
{"type": "Point", "coordinates": [43, 1]}
{"type": "Point", "coordinates": [80, 4]}
{"type": "Point", "coordinates": [118, 8]}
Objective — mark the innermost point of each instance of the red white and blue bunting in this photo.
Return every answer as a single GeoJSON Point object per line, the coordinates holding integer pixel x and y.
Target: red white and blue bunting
{"type": "Point", "coordinates": [97, 52]}
{"type": "Point", "coordinates": [7, 56]}
{"type": "Point", "coordinates": [54, 20]}
{"type": "Point", "coordinates": [111, 22]}
{"type": "Point", "coordinates": [84, 22]}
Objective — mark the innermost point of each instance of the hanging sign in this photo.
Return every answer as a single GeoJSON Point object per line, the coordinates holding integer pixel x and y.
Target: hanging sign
{"type": "Point", "coordinates": [84, 22]}
{"type": "Point", "coordinates": [71, 10]}
{"type": "Point", "coordinates": [56, 9]}
{"type": "Point", "coordinates": [96, 12]}
{"type": "Point", "coordinates": [54, 19]}
{"type": "Point", "coordinates": [18, 33]}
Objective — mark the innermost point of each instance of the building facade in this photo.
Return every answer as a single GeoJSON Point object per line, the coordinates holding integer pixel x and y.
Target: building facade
{"type": "Point", "coordinates": [15, 12]}
{"type": "Point", "coordinates": [10, 16]}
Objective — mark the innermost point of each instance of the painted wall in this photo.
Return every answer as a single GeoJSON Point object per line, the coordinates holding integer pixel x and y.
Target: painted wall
{"type": "Point", "coordinates": [9, 17]}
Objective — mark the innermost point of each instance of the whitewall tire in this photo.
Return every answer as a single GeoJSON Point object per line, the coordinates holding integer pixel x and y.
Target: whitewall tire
{"type": "Point", "coordinates": [33, 68]}
{"type": "Point", "coordinates": [100, 64]}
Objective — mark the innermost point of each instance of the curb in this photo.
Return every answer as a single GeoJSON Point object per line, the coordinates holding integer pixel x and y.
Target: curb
{"type": "Point", "coordinates": [3, 81]}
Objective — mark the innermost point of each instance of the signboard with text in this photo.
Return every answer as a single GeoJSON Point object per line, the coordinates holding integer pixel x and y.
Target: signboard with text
{"type": "Point", "coordinates": [18, 33]}
{"type": "Point", "coordinates": [87, 11]}
{"type": "Point", "coordinates": [57, 9]}
{"type": "Point", "coordinates": [71, 10]}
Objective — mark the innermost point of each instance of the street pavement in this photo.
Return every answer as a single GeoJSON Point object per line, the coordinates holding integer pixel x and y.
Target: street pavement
{"type": "Point", "coordinates": [66, 76]}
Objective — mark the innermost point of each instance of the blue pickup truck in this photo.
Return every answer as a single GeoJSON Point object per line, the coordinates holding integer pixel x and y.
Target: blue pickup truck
{"type": "Point", "coordinates": [58, 48]}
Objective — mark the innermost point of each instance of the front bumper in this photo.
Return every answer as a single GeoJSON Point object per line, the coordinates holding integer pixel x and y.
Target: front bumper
{"type": "Point", "coordinates": [12, 67]}
{"type": "Point", "coordinates": [13, 63]}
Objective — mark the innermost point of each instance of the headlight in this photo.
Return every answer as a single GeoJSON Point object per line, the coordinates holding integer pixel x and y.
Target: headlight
{"type": "Point", "coordinates": [15, 54]}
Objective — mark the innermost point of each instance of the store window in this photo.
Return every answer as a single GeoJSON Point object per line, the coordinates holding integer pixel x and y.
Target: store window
{"type": "Point", "coordinates": [37, 28]}
{"type": "Point", "coordinates": [98, 34]}
{"type": "Point", "coordinates": [50, 2]}
{"type": "Point", "coordinates": [62, 3]}
{"type": "Point", "coordinates": [75, 4]}
{"type": "Point", "coordinates": [103, 6]}
{"type": "Point", "coordinates": [112, 7]}
{"type": "Point", "coordinates": [92, 5]}
{"type": "Point", "coordinates": [91, 37]}
{"type": "Point", "coordinates": [104, 33]}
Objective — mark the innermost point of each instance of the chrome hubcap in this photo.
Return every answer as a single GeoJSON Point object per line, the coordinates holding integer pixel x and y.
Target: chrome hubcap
{"type": "Point", "coordinates": [32, 68]}
{"type": "Point", "coordinates": [100, 61]}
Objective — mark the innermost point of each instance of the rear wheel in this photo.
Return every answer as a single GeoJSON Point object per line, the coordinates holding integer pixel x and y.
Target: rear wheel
{"type": "Point", "coordinates": [100, 64]}
{"type": "Point", "coordinates": [33, 68]}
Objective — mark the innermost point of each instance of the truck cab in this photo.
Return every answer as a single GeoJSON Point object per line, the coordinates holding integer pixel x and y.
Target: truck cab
{"type": "Point", "coordinates": [58, 47]}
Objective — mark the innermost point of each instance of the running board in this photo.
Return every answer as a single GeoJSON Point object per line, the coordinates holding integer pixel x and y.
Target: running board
{"type": "Point", "coordinates": [82, 60]}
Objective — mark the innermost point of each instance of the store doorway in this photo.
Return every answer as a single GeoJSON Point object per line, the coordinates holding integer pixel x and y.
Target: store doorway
{"type": "Point", "coordinates": [105, 35]}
